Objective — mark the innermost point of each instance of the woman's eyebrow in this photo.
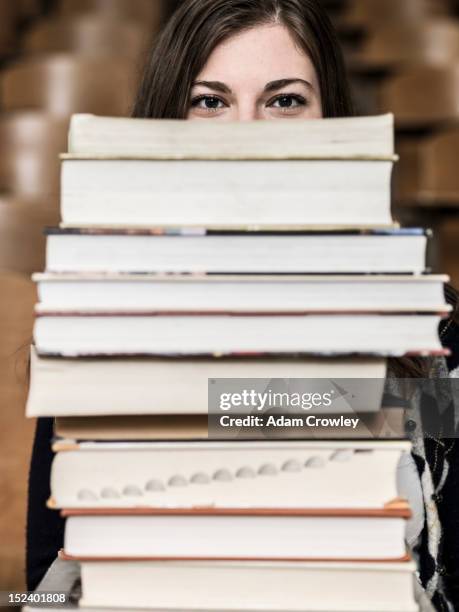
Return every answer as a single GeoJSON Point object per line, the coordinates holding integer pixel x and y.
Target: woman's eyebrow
{"type": "Point", "coordinates": [280, 83]}
{"type": "Point", "coordinates": [216, 85]}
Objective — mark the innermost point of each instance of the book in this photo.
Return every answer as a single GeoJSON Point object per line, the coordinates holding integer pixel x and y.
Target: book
{"type": "Point", "coordinates": [187, 334]}
{"type": "Point", "coordinates": [281, 293]}
{"type": "Point", "coordinates": [277, 587]}
{"type": "Point", "coordinates": [246, 534]}
{"type": "Point", "coordinates": [225, 193]}
{"type": "Point", "coordinates": [387, 423]}
{"type": "Point", "coordinates": [281, 587]}
{"type": "Point", "coordinates": [203, 251]}
{"type": "Point", "coordinates": [162, 386]}
{"type": "Point", "coordinates": [364, 137]}
{"type": "Point", "coordinates": [238, 474]}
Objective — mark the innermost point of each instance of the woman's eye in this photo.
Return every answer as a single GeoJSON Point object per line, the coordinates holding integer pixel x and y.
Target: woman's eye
{"type": "Point", "coordinates": [287, 102]}
{"type": "Point", "coordinates": [208, 103]}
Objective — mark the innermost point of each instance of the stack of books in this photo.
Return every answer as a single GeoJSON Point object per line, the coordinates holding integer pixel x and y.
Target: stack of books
{"type": "Point", "coordinates": [192, 251]}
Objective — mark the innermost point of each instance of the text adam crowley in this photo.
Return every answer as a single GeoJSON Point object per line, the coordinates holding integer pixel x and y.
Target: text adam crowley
{"type": "Point", "coordinates": [284, 421]}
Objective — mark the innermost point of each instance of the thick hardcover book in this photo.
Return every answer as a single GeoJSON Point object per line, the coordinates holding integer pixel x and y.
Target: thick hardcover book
{"type": "Point", "coordinates": [170, 386]}
{"type": "Point", "coordinates": [381, 424]}
{"type": "Point", "coordinates": [237, 474]}
{"type": "Point", "coordinates": [204, 251]}
{"type": "Point", "coordinates": [281, 293]}
{"type": "Point", "coordinates": [188, 334]}
{"type": "Point", "coordinates": [242, 534]}
{"type": "Point", "coordinates": [261, 586]}
{"type": "Point", "coordinates": [210, 586]}
{"type": "Point", "coordinates": [226, 193]}
{"type": "Point", "coordinates": [343, 138]}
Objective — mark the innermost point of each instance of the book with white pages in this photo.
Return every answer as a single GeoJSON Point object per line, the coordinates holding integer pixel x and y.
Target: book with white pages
{"type": "Point", "coordinates": [287, 193]}
{"type": "Point", "coordinates": [162, 386]}
{"type": "Point", "coordinates": [338, 138]}
{"type": "Point", "coordinates": [281, 293]}
{"type": "Point", "coordinates": [135, 578]}
{"type": "Point", "coordinates": [375, 422]}
{"type": "Point", "coordinates": [237, 534]}
{"type": "Point", "coordinates": [186, 334]}
{"type": "Point", "coordinates": [239, 474]}
{"type": "Point", "coordinates": [249, 586]}
{"type": "Point", "coordinates": [203, 251]}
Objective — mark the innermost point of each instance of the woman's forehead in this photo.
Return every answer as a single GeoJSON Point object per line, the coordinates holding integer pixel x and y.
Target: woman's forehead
{"type": "Point", "coordinates": [257, 56]}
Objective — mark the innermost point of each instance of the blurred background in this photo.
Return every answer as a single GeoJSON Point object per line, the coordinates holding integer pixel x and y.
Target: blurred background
{"type": "Point", "coordinates": [59, 57]}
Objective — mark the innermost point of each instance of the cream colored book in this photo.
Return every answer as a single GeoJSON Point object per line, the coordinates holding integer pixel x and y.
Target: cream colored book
{"type": "Point", "coordinates": [383, 424]}
{"type": "Point", "coordinates": [250, 586]}
{"type": "Point", "coordinates": [134, 586]}
{"type": "Point", "coordinates": [248, 534]}
{"type": "Point", "coordinates": [226, 194]}
{"type": "Point", "coordinates": [344, 138]}
{"type": "Point", "coordinates": [361, 475]}
{"type": "Point", "coordinates": [162, 386]}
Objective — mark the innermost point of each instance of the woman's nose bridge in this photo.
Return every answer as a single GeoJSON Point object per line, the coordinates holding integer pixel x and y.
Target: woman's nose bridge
{"type": "Point", "coordinates": [247, 111]}
{"type": "Point", "coordinates": [247, 104]}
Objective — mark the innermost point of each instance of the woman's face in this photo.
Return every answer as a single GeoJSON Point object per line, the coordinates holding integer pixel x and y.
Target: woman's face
{"type": "Point", "coordinates": [258, 74]}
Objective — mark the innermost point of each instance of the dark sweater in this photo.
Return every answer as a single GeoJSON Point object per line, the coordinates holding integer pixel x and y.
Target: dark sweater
{"type": "Point", "coordinates": [45, 528]}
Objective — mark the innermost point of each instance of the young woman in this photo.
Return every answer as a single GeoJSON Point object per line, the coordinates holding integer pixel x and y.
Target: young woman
{"type": "Point", "coordinates": [242, 60]}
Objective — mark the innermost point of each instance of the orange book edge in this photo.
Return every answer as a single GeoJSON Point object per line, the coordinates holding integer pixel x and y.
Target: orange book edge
{"type": "Point", "coordinates": [65, 557]}
{"type": "Point", "coordinates": [396, 508]}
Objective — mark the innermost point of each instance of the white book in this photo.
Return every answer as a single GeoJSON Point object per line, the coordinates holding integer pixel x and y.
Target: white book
{"type": "Point", "coordinates": [361, 137]}
{"type": "Point", "coordinates": [225, 193]}
{"type": "Point", "coordinates": [184, 586]}
{"type": "Point", "coordinates": [230, 334]}
{"type": "Point", "coordinates": [86, 387]}
{"type": "Point", "coordinates": [239, 474]}
{"type": "Point", "coordinates": [283, 293]}
{"type": "Point", "coordinates": [250, 586]}
{"type": "Point", "coordinates": [83, 251]}
{"type": "Point", "coordinates": [248, 535]}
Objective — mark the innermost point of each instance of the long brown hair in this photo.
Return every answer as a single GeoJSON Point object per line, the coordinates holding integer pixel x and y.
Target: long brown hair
{"type": "Point", "coordinates": [199, 26]}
